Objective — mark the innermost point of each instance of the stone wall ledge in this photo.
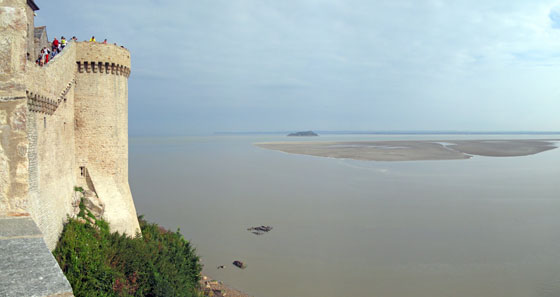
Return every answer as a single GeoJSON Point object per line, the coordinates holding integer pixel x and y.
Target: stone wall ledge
{"type": "Point", "coordinates": [28, 266]}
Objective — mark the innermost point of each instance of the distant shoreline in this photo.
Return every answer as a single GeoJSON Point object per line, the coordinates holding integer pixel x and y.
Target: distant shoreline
{"type": "Point", "coordinates": [418, 150]}
{"type": "Point", "coordinates": [394, 132]}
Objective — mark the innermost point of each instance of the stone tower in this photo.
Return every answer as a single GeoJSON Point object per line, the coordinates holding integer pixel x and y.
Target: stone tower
{"type": "Point", "coordinates": [101, 123]}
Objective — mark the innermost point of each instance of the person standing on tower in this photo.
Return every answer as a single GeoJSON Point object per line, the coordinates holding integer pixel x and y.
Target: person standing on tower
{"type": "Point", "coordinates": [92, 39]}
{"type": "Point", "coordinates": [55, 44]}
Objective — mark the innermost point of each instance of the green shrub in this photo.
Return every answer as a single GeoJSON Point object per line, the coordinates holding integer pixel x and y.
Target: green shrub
{"type": "Point", "coordinates": [99, 263]}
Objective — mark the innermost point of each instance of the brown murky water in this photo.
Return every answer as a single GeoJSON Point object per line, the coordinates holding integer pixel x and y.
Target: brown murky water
{"type": "Point", "coordinates": [479, 227]}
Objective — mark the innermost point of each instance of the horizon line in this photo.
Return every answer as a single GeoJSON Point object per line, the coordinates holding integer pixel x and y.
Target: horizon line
{"type": "Point", "coordinates": [389, 132]}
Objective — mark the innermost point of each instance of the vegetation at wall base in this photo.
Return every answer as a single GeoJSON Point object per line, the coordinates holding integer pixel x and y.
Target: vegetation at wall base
{"type": "Point", "coordinates": [97, 262]}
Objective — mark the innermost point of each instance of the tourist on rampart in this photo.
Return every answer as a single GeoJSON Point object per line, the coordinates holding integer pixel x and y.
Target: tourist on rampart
{"type": "Point", "coordinates": [55, 44]}
{"type": "Point", "coordinates": [74, 38]}
{"type": "Point", "coordinates": [45, 55]}
{"type": "Point", "coordinates": [105, 41]}
{"type": "Point", "coordinates": [62, 42]}
{"type": "Point", "coordinates": [92, 39]}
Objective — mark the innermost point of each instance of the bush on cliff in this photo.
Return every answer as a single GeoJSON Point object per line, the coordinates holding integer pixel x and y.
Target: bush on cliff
{"type": "Point", "coordinates": [99, 263]}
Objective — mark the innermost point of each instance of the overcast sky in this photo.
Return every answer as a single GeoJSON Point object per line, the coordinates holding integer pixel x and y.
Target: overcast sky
{"type": "Point", "coordinates": [200, 66]}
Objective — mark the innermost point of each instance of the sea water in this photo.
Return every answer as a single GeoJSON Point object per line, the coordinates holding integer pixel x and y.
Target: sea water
{"type": "Point", "coordinates": [486, 226]}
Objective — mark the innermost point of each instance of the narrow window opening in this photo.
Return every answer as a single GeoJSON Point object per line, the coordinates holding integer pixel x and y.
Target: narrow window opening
{"type": "Point", "coordinates": [45, 122]}
{"type": "Point", "coordinates": [82, 171]}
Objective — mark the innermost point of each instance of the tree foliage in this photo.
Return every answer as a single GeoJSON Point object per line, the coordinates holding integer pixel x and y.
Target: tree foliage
{"type": "Point", "coordinates": [97, 262]}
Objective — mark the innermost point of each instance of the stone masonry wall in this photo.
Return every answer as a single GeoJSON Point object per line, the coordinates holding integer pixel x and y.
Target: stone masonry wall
{"type": "Point", "coordinates": [52, 172]}
{"type": "Point", "coordinates": [13, 157]}
{"type": "Point", "coordinates": [13, 108]}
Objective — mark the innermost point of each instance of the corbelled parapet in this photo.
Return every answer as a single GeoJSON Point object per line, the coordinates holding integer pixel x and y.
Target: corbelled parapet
{"type": "Point", "coordinates": [93, 57]}
{"type": "Point", "coordinates": [102, 68]}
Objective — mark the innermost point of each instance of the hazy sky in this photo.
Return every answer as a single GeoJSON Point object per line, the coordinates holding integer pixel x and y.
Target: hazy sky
{"type": "Point", "coordinates": [200, 66]}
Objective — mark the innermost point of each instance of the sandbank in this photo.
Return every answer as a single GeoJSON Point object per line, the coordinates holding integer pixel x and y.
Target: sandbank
{"type": "Point", "coordinates": [414, 150]}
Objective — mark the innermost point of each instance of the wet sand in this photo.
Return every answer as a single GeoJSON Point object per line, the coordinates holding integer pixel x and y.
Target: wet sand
{"type": "Point", "coordinates": [414, 150]}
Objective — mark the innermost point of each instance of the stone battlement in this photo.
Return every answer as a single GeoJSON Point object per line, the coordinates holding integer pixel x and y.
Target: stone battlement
{"type": "Point", "coordinates": [94, 51]}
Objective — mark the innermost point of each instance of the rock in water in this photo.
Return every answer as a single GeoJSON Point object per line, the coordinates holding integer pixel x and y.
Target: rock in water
{"type": "Point", "coordinates": [239, 264]}
{"type": "Point", "coordinates": [260, 230]}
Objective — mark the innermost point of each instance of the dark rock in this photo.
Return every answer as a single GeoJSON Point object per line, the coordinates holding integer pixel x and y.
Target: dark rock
{"type": "Point", "coordinates": [260, 230]}
{"type": "Point", "coordinates": [239, 264]}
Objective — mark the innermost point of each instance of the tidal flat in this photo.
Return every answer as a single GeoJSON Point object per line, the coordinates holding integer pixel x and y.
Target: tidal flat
{"type": "Point", "coordinates": [405, 150]}
{"type": "Point", "coordinates": [484, 226]}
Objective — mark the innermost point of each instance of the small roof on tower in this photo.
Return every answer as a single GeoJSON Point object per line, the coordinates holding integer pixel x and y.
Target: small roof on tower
{"type": "Point", "coordinates": [32, 4]}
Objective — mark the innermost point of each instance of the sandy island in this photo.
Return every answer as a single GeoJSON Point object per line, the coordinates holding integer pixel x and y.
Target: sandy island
{"type": "Point", "coordinates": [414, 150]}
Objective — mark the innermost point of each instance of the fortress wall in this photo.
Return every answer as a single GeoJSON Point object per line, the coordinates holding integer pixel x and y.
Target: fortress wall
{"type": "Point", "coordinates": [13, 157]}
{"type": "Point", "coordinates": [52, 121]}
{"type": "Point", "coordinates": [71, 113]}
{"type": "Point", "coordinates": [13, 108]}
{"type": "Point", "coordinates": [51, 80]}
{"type": "Point", "coordinates": [52, 170]}
{"type": "Point", "coordinates": [101, 111]}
